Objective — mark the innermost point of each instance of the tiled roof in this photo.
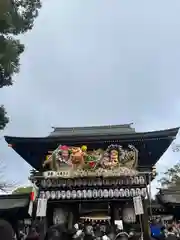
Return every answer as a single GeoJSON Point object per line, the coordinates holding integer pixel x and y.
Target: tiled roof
{"type": "Point", "coordinates": [93, 130]}
{"type": "Point", "coordinates": [169, 196]}
{"type": "Point", "coordinates": [13, 201]}
{"type": "Point", "coordinates": [151, 145]}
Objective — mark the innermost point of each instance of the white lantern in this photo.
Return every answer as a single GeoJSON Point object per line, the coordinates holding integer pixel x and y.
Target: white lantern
{"type": "Point", "coordinates": [84, 194]}
{"type": "Point", "coordinates": [73, 194]}
{"type": "Point", "coordinates": [132, 192]}
{"type": "Point", "coordinates": [127, 180]}
{"type": "Point", "coordinates": [45, 174]}
{"type": "Point", "coordinates": [63, 194]}
{"type": "Point", "coordinates": [58, 194]}
{"type": "Point", "coordinates": [128, 215]}
{"type": "Point", "coordinates": [89, 183]}
{"type": "Point", "coordinates": [53, 194]}
{"type": "Point", "coordinates": [127, 193]}
{"type": "Point", "coordinates": [116, 193]}
{"type": "Point", "coordinates": [132, 180]}
{"type": "Point", "coordinates": [111, 193]}
{"type": "Point", "coordinates": [79, 182]}
{"type": "Point", "coordinates": [48, 194]}
{"type": "Point", "coordinates": [120, 181]}
{"type": "Point", "coordinates": [143, 192]}
{"type": "Point", "coordinates": [94, 183]}
{"type": "Point", "coordinates": [99, 182]}
{"type": "Point", "coordinates": [89, 193]}
{"type": "Point", "coordinates": [59, 183]}
{"type": "Point", "coordinates": [43, 183]}
{"type": "Point", "coordinates": [79, 195]}
{"type": "Point", "coordinates": [136, 180]}
{"type": "Point", "coordinates": [141, 180]}
{"type": "Point", "coordinates": [49, 183]}
{"type": "Point", "coordinates": [95, 193]}
{"type": "Point", "coordinates": [85, 183]}
{"type": "Point", "coordinates": [106, 193]}
{"type": "Point", "coordinates": [138, 192]}
{"type": "Point", "coordinates": [100, 193]}
{"type": "Point", "coordinates": [68, 194]}
{"type": "Point", "coordinates": [43, 194]}
{"type": "Point", "coordinates": [121, 192]}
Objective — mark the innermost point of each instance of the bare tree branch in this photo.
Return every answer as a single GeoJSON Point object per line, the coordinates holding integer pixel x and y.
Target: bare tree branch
{"type": "Point", "coordinates": [5, 184]}
{"type": "Point", "coordinates": [171, 177]}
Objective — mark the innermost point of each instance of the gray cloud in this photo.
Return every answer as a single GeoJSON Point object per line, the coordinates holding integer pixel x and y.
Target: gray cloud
{"type": "Point", "coordinates": [97, 62]}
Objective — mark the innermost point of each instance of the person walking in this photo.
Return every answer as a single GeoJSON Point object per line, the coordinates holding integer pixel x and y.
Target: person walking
{"type": "Point", "coordinates": [33, 235]}
{"type": "Point", "coordinates": [171, 235]}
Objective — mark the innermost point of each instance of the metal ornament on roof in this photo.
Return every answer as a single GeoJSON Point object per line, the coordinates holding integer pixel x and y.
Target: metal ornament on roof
{"type": "Point", "coordinates": [69, 162]}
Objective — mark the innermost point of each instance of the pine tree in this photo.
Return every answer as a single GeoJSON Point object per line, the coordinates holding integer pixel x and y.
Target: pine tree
{"type": "Point", "coordinates": [16, 17]}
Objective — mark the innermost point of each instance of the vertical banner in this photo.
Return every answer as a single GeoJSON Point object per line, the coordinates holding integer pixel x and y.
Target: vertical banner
{"type": "Point", "coordinates": [138, 206]}
{"type": "Point", "coordinates": [30, 209]}
{"type": "Point", "coordinates": [41, 207]}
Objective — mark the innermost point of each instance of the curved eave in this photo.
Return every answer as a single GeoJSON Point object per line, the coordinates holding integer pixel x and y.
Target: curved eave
{"type": "Point", "coordinates": [169, 196]}
{"type": "Point", "coordinates": [13, 201]}
{"type": "Point", "coordinates": [169, 199]}
{"type": "Point", "coordinates": [124, 137]}
{"type": "Point", "coordinates": [24, 196]}
{"type": "Point", "coordinates": [32, 150]}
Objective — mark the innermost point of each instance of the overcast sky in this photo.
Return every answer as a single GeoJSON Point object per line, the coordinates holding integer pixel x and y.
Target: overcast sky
{"type": "Point", "coordinates": [96, 62]}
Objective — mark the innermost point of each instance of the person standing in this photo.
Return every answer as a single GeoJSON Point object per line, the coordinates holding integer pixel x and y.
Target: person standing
{"type": "Point", "coordinates": [171, 235]}
{"type": "Point", "coordinates": [33, 235]}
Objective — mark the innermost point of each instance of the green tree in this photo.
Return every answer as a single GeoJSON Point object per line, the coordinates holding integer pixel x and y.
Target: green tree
{"type": "Point", "coordinates": [171, 178]}
{"type": "Point", "coordinates": [22, 190]}
{"type": "Point", "coordinates": [16, 17]}
{"type": "Point", "coordinates": [3, 118]}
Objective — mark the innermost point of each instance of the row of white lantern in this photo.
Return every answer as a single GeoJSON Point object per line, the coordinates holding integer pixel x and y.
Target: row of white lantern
{"type": "Point", "coordinates": [92, 182]}
{"type": "Point", "coordinates": [95, 193]}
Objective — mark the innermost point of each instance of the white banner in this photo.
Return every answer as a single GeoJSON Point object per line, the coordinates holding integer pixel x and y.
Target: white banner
{"type": "Point", "coordinates": [41, 207]}
{"type": "Point", "coordinates": [119, 224]}
{"type": "Point", "coordinates": [138, 206]}
{"type": "Point", "coordinates": [30, 209]}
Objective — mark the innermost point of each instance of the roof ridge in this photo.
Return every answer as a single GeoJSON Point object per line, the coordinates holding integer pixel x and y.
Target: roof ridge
{"type": "Point", "coordinates": [95, 126]}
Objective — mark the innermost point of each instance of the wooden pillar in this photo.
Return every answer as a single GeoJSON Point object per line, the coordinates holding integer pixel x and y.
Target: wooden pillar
{"type": "Point", "coordinates": [70, 220]}
{"type": "Point", "coordinates": [115, 212]}
{"type": "Point", "coordinates": [145, 221]}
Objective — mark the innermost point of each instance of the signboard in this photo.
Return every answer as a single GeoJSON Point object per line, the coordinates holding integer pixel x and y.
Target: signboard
{"type": "Point", "coordinates": [41, 207]}
{"type": "Point", "coordinates": [138, 206]}
{"type": "Point", "coordinates": [119, 224]}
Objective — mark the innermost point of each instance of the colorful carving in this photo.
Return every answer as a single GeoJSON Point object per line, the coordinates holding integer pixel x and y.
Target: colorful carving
{"type": "Point", "coordinates": [77, 156]}
{"type": "Point", "coordinates": [80, 158]}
